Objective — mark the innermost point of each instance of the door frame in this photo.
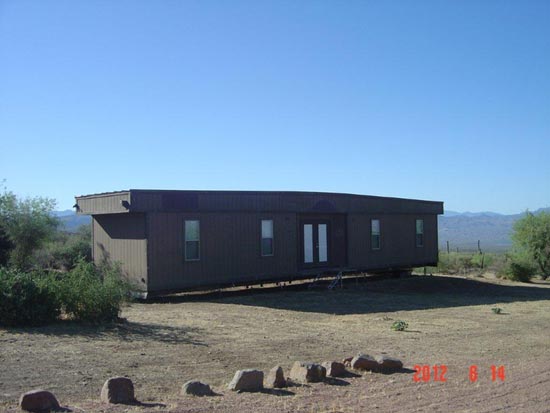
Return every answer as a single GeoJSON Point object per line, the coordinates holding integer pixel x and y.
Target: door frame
{"type": "Point", "coordinates": [315, 235]}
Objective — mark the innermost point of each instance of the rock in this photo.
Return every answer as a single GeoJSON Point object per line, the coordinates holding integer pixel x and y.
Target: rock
{"type": "Point", "coordinates": [387, 363]}
{"type": "Point", "coordinates": [335, 368]}
{"type": "Point", "coordinates": [364, 362]}
{"type": "Point", "coordinates": [118, 390]}
{"type": "Point", "coordinates": [302, 372]}
{"type": "Point", "coordinates": [196, 388]}
{"type": "Point", "coordinates": [38, 400]}
{"type": "Point", "coordinates": [247, 380]}
{"type": "Point", "coordinates": [275, 378]}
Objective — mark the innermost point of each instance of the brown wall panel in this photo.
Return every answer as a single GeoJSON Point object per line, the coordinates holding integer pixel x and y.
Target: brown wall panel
{"type": "Point", "coordinates": [103, 204]}
{"type": "Point", "coordinates": [229, 249]}
{"type": "Point", "coordinates": [397, 238]}
{"type": "Point", "coordinates": [122, 238]}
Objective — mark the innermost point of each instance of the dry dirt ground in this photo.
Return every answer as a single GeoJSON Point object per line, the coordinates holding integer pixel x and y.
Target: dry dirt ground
{"type": "Point", "coordinates": [210, 336]}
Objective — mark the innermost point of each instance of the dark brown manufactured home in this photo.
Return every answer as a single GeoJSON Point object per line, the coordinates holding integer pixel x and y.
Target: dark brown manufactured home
{"type": "Point", "coordinates": [171, 241]}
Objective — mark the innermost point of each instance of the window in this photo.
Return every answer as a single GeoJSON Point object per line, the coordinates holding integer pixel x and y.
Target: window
{"type": "Point", "coordinates": [192, 241]}
{"type": "Point", "coordinates": [419, 232]}
{"type": "Point", "coordinates": [375, 234]}
{"type": "Point", "coordinates": [267, 237]}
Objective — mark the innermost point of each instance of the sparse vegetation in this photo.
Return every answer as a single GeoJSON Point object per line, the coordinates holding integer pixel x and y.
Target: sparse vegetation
{"type": "Point", "coordinates": [468, 262]}
{"type": "Point", "coordinates": [496, 310]}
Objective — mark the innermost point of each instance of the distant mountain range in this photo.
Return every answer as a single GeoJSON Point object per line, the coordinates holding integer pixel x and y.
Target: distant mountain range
{"type": "Point", "coordinates": [70, 221]}
{"type": "Point", "coordinates": [461, 229]}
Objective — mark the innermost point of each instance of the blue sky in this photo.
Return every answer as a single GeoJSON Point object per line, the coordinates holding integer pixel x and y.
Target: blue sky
{"type": "Point", "coordinates": [442, 100]}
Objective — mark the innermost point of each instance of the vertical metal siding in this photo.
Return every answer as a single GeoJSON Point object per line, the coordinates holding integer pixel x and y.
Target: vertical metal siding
{"type": "Point", "coordinates": [397, 237]}
{"type": "Point", "coordinates": [121, 238]}
{"type": "Point", "coordinates": [230, 249]}
{"type": "Point", "coordinates": [103, 204]}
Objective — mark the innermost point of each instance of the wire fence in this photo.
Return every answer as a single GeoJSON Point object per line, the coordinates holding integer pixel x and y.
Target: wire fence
{"type": "Point", "coordinates": [478, 246]}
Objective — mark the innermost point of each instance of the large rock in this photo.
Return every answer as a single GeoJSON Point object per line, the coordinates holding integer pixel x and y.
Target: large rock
{"type": "Point", "coordinates": [275, 378]}
{"type": "Point", "coordinates": [335, 368]}
{"type": "Point", "coordinates": [37, 401]}
{"type": "Point", "coordinates": [387, 363]}
{"type": "Point", "coordinates": [302, 372]}
{"type": "Point", "coordinates": [247, 380]}
{"type": "Point", "coordinates": [196, 388]}
{"type": "Point", "coordinates": [118, 390]}
{"type": "Point", "coordinates": [364, 362]}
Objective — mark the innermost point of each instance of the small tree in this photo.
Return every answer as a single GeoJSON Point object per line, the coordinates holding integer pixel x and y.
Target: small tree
{"type": "Point", "coordinates": [25, 224]}
{"type": "Point", "coordinates": [532, 234]}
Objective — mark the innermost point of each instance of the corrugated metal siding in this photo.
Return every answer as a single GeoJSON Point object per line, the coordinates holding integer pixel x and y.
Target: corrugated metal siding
{"type": "Point", "coordinates": [122, 238]}
{"type": "Point", "coordinates": [398, 241]}
{"type": "Point", "coordinates": [230, 249]}
{"type": "Point", "coordinates": [103, 204]}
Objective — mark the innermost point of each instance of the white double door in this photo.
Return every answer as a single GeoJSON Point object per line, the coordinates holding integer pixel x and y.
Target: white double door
{"type": "Point", "coordinates": [315, 243]}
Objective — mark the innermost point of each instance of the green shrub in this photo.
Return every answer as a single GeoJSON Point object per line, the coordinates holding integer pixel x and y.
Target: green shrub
{"type": "Point", "coordinates": [520, 271]}
{"type": "Point", "coordinates": [26, 299]}
{"type": "Point", "coordinates": [86, 293]}
{"type": "Point", "coordinates": [93, 294]}
{"type": "Point", "coordinates": [532, 236]}
{"type": "Point", "coordinates": [496, 310]}
{"type": "Point", "coordinates": [399, 325]}
{"type": "Point", "coordinates": [519, 266]}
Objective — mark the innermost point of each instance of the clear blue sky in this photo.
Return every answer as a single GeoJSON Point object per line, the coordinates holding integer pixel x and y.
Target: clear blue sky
{"type": "Point", "coordinates": [443, 100]}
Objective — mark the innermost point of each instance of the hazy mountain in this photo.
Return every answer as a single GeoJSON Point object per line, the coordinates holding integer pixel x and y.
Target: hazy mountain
{"type": "Point", "coordinates": [472, 214]}
{"type": "Point", "coordinates": [463, 230]}
{"type": "Point", "coordinates": [65, 213]}
{"type": "Point", "coordinates": [70, 221]}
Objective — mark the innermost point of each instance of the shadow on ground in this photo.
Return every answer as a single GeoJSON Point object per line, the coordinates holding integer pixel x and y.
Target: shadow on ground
{"type": "Point", "coordinates": [123, 330]}
{"type": "Point", "coordinates": [361, 295]}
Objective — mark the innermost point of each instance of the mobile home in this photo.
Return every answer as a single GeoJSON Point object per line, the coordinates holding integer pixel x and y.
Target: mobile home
{"type": "Point", "coordinates": [169, 241]}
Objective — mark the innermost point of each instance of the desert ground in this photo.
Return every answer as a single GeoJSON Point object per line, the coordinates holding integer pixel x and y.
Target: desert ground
{"type": "Point", "coordinates": [164, 343]}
